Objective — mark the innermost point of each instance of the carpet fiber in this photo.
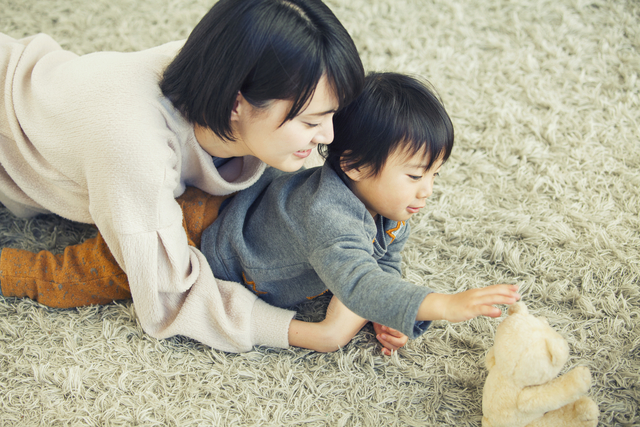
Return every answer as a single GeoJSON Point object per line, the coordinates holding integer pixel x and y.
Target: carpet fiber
{"type": "Point", "coordinates": [542, 190]}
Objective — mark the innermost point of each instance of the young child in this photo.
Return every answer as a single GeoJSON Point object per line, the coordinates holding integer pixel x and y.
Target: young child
{"type": "Point", "coordinates": [338, 228]}
{"type": "Point", "coordinates": [342, 227]}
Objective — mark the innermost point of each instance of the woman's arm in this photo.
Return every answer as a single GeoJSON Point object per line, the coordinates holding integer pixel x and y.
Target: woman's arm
{"type": "Point", "coordinates": [334, 332]}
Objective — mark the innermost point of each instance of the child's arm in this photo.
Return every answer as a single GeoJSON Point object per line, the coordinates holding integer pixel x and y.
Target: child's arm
{"type": "Point", "coordinates": [468, 304]}
{"type": "Point", "coordinates": [341, 324]}
{"type": "Point", "coordinates": [454, 308]}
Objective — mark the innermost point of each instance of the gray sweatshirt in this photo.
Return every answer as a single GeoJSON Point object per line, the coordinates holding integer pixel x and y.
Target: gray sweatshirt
{"type": "Point", "coordinates": [290, 237]}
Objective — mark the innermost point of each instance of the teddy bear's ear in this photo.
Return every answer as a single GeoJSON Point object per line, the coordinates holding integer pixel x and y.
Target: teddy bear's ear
{"type": "Point", "coordinates": [490, 359]}
{"type": "Point", "coordinates": [518, 307]}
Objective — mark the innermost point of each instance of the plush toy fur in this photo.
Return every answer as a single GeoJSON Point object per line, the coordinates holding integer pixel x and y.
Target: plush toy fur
{"type": "Point", "coordinates": [522, 388]}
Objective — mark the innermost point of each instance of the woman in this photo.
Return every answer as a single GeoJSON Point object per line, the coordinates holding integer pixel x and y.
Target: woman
{"type": "Point", "coordinates": [113, 138]}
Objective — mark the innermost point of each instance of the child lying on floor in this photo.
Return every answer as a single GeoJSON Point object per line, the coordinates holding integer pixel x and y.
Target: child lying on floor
{"type": "Point", "coordinates": [339, 228]}
{"type": "Point", "coordinates": [342, 227]}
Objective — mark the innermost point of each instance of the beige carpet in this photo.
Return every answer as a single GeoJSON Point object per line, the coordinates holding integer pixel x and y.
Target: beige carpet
{"type": "Point", "coordinates": [543, 190]}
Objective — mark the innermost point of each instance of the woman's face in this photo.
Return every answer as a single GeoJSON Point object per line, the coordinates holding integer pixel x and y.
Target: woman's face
{"type": "Point", "coordinates": [260, 132]}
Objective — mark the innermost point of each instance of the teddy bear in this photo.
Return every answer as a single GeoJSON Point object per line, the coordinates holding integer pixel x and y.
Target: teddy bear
{"type": "Point", "coordinates": [522, 387]}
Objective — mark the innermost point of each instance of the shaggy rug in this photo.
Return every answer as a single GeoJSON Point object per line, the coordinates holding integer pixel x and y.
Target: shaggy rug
{"type": "Point", "coordinates": [542, 190]}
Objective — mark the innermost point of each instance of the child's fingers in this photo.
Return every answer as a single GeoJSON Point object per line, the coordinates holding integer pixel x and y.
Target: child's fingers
{"type": "Point", "coordinates": [392, 342]}
{"type": "Point", "coordinates": [497, 299]}
{"type": "Point", "coordinates": [387, 347]}
{"type": "Point", "coordinates": [495, 295]}
{"type": "Point", "coordinates": [498, 294]}
{"type": "Point", "coordinates": [490, 311]}
{"type": "Point", "coordinates": [391, 331]}
{"type": "Point", "coordinates": [506, 290]}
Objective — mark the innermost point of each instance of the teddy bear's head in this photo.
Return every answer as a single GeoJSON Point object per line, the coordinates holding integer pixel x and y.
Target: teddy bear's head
{"type": "Point", "coordinates": [527, 349]}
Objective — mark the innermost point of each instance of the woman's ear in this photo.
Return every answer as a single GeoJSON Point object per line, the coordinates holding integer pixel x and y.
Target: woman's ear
{"type": "Point", "coordinates": [238, 107]}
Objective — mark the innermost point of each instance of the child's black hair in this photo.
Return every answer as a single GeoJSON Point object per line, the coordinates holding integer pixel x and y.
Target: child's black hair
{"type": "Point", "coordinates": [265, 49]}
{"type": "Point", "coordinates": [394, 111]}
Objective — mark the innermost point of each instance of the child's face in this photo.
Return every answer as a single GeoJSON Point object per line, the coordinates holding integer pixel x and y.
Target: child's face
{"type": "Point", "coordinates": [400, 189]}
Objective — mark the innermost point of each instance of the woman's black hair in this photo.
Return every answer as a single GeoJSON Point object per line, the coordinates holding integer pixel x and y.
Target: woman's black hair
{"type": "Point", "coordinates": [265, 49]}
{"type": "Point", "coordinates": [394, 111]}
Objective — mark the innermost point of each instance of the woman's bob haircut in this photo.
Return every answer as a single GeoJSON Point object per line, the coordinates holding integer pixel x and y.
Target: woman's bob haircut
{"type": "Point", "coordinates": [266, 50]}
{"type": "Point", "coordinates": [393, 112]}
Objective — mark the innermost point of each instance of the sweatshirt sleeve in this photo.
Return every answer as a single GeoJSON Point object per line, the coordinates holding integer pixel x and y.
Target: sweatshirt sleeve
{"type": "Point", "coordinates": [355, 277]}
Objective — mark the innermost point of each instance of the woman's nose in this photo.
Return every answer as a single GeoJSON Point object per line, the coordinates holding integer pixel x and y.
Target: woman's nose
{"type": "Point", "coordinates": [325, 135]}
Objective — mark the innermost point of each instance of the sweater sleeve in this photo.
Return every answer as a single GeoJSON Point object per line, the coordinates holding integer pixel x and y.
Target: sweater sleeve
{"type": "Point", "coordinates": [172, 285]}
{"type": "Point", "coordinates": [175, 293]}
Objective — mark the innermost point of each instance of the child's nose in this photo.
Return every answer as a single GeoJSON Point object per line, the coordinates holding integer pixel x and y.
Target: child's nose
{"type": "Point", "coordinates": [425, 191]}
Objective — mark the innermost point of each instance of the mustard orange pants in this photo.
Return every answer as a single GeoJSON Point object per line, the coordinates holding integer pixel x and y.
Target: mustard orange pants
{"type": "Point", "coordinates": [87, 273]}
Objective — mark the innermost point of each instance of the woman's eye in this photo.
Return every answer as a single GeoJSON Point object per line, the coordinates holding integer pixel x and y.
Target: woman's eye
{"type": "Point", "coordinates": [436, 174]}
{"type": "Point", "coordinates": [415, 177]}
{"type": "Point", "coordinates": [311, 125]}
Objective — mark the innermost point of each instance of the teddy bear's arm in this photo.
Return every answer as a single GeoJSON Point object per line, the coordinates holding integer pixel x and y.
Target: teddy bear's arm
{"type": "Point", "coordinates": [556, 393]}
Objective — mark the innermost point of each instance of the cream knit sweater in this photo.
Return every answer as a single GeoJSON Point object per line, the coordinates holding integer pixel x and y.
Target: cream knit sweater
{"type": "Point", "coordinates": [92, 139]}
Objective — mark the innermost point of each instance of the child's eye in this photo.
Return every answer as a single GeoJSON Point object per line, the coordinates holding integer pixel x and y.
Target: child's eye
{"type": "Point", "coordinates": [436, 174]}
{"type": "Point", "coordinates": [415, 177]}
{"type": "Point", "coordinates": [311, 125]}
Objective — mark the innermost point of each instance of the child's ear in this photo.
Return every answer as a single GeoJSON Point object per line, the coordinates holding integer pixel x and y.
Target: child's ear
{"type": "Point", "coordinates": [354, 174]}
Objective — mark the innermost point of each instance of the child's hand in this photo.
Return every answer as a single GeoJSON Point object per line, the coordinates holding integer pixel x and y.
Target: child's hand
{"type": "Point", "coordinates": [468, 304]}
{"type": "Point", "coordinates": [389, 338]}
